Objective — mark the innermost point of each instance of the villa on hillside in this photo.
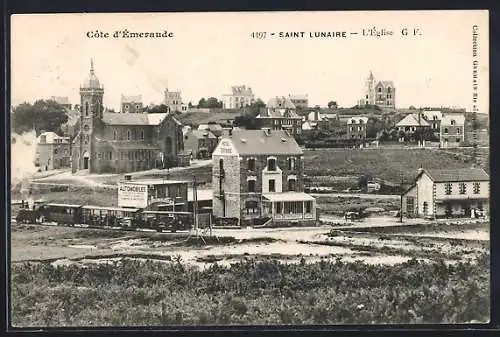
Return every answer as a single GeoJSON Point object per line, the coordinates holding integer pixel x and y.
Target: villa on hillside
{"type": "Point", "coordinates": [281, 114]}
{"type": "Point", "coordinates": [239, 97]}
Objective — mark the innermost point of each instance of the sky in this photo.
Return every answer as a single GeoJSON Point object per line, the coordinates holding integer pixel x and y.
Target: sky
{"type": "Point", "coordinates": [210, 52]}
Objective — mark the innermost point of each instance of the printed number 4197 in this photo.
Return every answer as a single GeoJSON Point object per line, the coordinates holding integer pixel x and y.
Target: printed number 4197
{"type": "Point", "coordinates": [258, 35]}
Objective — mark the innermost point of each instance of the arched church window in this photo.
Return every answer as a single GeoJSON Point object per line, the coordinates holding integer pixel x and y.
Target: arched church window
{"type": "Point", "coordinates": [114, 135]}
{"type": "Point", "coordinates": [86, 108]}
{"type": "Point", "coordinates": [128, 134]}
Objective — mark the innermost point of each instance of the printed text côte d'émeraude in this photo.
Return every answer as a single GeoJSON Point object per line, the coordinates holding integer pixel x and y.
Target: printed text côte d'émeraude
{"type": "Point", "coordinates": [98, 34]}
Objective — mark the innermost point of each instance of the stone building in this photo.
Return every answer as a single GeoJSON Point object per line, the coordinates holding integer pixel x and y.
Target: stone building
{"type": "Point", "coordinates": [202, 143]}
{"type": "Point", "coordinates": [239, 97]}
{"type": "Point", "coordinates": [452, 130]}
{"type": "Point", "coordinates": [448, 193]}
{"type": "Point", "coordinates": [356, 128]}
{"type": "Point", "coordinates": [281, 114]}
{"type": "Point", "coordinates": [52, 152]}
{"type": "Point", "coordinates": [122, 142]}
{"type": "Point", "coordinates": [131, 104]}
{"type": "Point", "coordinates": [259, 174]}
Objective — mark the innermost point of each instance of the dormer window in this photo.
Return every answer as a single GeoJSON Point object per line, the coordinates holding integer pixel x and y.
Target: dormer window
{"type": "Point", "coordinates": [271, 164]}
{"type": "Point", "coordinates": [379, 89]}
{"type": "Point", "coordinates": [452, 122]}
{"type": "Point", "coordinates": [389, 89]}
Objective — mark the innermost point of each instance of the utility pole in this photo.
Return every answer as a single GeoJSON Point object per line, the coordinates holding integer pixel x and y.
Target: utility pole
{"type": "Point", "coordinates": [401, 200]}
{"type": "Point", "coordinates": [195, 205]}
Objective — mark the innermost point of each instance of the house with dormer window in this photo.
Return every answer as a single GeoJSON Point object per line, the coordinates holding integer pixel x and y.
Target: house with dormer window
{"type": "Point", "coordinates": [259, 174]}
{"type": "Point", "coordinates": [439, 193]}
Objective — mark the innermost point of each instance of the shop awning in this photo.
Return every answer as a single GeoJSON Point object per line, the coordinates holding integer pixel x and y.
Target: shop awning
{"type": "Point", "coordinates": [288, 196]}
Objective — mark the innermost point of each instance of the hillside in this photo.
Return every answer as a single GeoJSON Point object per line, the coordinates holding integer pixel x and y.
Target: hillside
{"type": "Point", "coordinates": [386, 164]}
{"type": "Point", "coordinates": [197, 118]}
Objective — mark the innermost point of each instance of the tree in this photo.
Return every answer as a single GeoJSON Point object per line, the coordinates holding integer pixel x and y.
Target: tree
{"type": "Point", "coordinates": [254, 108]}
{"type": "Point", "coordinates": [213, 102]}
{"type": "Point", "coordinates": [209, 103]}
{"type": "Point", "coordinates": [247, 122]}
{"type": "Point", "coordinates": [162, 108]}
{"type": "Point", "coordinates": [332, 105]}
{"type": "Point", "coordinates": [202, 103]}
{"type": "Point", "coordinates": [43, 115]}
{"type": "Point", "coordinates": [412, 107]}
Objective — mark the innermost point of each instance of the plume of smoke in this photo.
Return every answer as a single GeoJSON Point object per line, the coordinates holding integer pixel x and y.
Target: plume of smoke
{"type": "Point", "coordinates": [23, 154]}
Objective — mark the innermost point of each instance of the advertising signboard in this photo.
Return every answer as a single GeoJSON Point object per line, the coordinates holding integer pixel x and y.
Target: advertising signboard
{"type": "Point", "coordinates": [132, 195]}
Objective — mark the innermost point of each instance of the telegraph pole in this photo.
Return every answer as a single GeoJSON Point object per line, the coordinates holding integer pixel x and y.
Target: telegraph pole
{"type": "Point", "coordinates": [195, 205]}
{"type": "Point", "coordinates": [401, 200]}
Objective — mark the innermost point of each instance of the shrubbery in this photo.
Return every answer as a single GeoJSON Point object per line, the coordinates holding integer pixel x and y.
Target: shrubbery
{"type": "Point", "coordinates": [131, 292]}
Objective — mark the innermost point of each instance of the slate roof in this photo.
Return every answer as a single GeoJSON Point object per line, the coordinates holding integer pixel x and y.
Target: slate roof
{"type": "Point", "coordinates": [430, 114]}
{"type": "Point", "coordinates": [386, 84]}
{"type": "Point", "coordinates": [200, 134]}
{"type": "Point", "coordinates": [412, 120]}
{"type": "Point", "coordinates": [280, 103]}
{"type": "Point", "coordinates": [132, 99]}
{"type": "Point", "coordinates": [458, 118]}
{"type": "Point", "coordinates": [457, 175]}
{"type": "Point", "coordinates": [357, 120]}
{"type": "Point", "coordinates": [60, 99]}
{"type": "Point", "coordinates": [153, 119]}
{"type": "Point", "coordinates": [264, 142]}
{"type": "Point", "coordinates": [51, 137]}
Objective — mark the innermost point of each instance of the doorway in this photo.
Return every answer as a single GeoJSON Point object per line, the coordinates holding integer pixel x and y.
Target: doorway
{"type": "Point", "coordinates": [86, 160]}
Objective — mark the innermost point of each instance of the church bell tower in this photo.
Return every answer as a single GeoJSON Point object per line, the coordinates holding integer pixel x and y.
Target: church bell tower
{"type": "Point", "coordinates": [91, 110]}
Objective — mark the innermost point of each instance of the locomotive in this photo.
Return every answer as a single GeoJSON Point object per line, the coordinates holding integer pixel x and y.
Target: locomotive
{"type": "Point", "coordinates": [106, 217]}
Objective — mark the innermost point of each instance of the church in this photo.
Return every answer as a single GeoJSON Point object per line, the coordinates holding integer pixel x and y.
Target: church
{"type": "Point", "coordinates": [122, 142]}
{"type": "Point", "coordinates": [380, 93]}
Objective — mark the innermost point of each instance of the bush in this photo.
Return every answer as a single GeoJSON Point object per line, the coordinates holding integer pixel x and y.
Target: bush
{"type": "Point", "coordinates": [249, 292]}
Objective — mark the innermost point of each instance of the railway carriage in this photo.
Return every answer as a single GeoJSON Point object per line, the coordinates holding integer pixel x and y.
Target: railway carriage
{"type": "Point", "coordinates": [109, 216]}
{"type": "Point", "coordinates": [66, 214]}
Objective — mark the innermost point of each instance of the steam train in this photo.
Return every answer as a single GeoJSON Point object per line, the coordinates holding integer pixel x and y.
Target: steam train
{"type": "Point", "coordinates": [102, 217]}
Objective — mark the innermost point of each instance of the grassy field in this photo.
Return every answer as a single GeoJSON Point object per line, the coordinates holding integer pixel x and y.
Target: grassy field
{"type": "Point", "coordinates": [386, 164]}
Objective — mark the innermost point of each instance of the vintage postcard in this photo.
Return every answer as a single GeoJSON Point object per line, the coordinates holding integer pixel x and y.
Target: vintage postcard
{"type": "Point", "coordinates": [250, 168]}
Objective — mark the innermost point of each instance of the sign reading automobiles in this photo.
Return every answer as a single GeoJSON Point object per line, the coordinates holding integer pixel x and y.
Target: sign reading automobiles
{"type": "Point", "coordinates": [132, 195]}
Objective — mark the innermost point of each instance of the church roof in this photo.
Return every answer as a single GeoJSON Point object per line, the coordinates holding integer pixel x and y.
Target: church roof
{"type": "Point", "coordinates": [152, 119]}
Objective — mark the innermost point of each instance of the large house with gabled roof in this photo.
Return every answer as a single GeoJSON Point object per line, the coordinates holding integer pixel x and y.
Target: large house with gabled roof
{"type": "Point", "coordinates": [259, 174]}
{"type": "Point", "coordinates": [122, 142]}
{"type": "Point", "coordinates": [438, 193]}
